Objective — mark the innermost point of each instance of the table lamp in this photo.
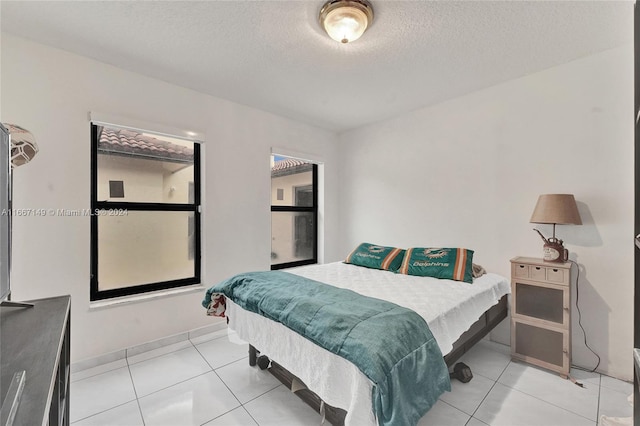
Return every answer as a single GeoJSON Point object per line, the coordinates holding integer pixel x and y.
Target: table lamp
{"type": "Point", "coordinates": [555, 209]}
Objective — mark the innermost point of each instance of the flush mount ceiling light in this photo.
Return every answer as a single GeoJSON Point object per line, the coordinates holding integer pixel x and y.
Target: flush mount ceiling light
{"type": "Point", "coordinates": [346, 20]}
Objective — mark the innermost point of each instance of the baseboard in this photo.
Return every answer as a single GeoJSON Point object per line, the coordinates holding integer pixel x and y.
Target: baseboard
{"type": "Point", "coordinates": [146, 347]}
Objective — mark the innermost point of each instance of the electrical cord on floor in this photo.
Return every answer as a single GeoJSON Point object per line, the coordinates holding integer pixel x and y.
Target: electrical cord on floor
{"type": "Point", "coordinates": [574, 381]}
{"type": "Point", "coordinates": [584, 333]}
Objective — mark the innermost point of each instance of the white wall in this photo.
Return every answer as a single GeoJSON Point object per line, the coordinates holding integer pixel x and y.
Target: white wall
{"type": "Point", "coordinates": [50, 92]}
{"type": "Point", "coordinates": [467, 173]}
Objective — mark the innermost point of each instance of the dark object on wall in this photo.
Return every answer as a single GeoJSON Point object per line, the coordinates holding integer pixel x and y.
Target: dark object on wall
{"type": "Point", "coordinates": [116, 189]}
{"type": "Point", "coordinates": [180, 157]}
{"type": "Point", "coordinates": [462, 372]}
{"type": "Point", "coordinates": [304, 211]}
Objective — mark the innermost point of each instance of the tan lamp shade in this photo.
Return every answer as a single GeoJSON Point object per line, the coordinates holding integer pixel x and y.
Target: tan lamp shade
{"type": "Point", "coordinates": [556, 209]}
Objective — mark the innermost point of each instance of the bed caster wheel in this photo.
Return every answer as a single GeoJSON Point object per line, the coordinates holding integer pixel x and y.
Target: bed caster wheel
{"type": "Point", "coordinates": [263, 362]}
{"type": "Point", "coordinates": [462, 372]}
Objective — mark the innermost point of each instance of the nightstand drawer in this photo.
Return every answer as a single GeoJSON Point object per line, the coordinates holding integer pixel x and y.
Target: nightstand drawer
{"type": "Point", "coordinates": [520, 270]}
{"type": "Point", "coordinates": [544, 274]}
{"type": "Point", "coordinates": [557, 275]}
{"type": "Point", "coordinates": [538, 273]}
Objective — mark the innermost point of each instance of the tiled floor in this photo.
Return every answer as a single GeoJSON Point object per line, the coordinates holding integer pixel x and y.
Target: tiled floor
{"type": "Point", "coordinates": [207, 381]}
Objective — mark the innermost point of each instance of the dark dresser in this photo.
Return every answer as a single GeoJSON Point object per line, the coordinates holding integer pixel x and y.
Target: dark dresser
{"type": "Point", "coordinates": [636, 389]}
{"type": "Point", "coordinates": [36, 340]}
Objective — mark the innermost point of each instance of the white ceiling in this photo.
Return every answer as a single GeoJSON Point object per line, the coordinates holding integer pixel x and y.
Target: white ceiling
{"type": "Point", "coordinates": [274, 56]}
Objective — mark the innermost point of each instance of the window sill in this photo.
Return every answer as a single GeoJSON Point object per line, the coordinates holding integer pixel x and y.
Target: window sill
{"type": "Point", "coordinates": [138, 298]}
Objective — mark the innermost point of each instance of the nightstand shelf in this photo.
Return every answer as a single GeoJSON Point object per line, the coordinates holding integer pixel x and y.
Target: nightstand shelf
{"type": "Point", "coordinates": [541, 313]}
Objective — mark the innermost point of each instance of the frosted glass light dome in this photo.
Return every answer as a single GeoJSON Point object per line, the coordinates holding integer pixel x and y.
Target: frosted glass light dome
{"type": "Point", "coordinates": [346, 20]}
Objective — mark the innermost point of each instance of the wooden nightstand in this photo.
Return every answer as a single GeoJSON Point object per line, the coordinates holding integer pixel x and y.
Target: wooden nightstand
{"type": "Point", "coordinates": [541, 313]}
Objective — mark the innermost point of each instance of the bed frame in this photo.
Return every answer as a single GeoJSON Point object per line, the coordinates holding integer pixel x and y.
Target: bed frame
{"type": "Point", "coordinates": [336, 416]}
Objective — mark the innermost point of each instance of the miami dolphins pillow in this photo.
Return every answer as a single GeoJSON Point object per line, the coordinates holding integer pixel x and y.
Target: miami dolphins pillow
{"type": "Point", "coordinates": [376, 257]}
{"type": "Point", "coordinates": [449, 263]}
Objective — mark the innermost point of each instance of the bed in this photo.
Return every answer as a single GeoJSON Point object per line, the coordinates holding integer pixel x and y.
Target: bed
{"type": "Point", "coordinates": [457, 313]}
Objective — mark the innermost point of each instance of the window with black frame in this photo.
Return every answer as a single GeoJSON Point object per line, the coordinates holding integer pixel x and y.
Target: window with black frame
{"type": "Point", "coordinates": [145, 212]}
{"type": "Point", "coordinates": [294, 212]}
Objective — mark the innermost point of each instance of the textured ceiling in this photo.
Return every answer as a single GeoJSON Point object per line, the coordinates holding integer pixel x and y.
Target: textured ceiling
{"type": "Point", "coordinates": [274, 56]}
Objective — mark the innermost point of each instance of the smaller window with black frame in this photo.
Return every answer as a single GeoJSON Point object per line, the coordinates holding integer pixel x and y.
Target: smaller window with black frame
{"type": "Point", "coordinates": [294, 212]}
{"type": "Point", "coordinates": [145, 215]}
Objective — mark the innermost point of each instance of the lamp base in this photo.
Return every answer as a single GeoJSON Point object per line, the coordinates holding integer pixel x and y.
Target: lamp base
{"type": "Point", "coordinates": [554, 251]}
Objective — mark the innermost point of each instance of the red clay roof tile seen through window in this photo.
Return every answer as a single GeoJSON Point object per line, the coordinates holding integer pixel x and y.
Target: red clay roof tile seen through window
{"type": "Point", "coordinates": [133, 143]}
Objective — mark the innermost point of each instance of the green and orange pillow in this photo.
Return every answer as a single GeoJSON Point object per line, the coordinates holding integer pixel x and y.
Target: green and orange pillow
{"type": "Point", "coordinates": [447, 263]}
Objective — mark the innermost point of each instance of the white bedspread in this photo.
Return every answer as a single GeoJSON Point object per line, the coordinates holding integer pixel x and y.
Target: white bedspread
{"type": "Point", "coordinates": [448, 307]}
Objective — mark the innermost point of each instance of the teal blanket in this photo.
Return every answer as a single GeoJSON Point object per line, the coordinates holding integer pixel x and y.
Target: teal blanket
{"type": "Point", "coordinates": [391, 345]}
